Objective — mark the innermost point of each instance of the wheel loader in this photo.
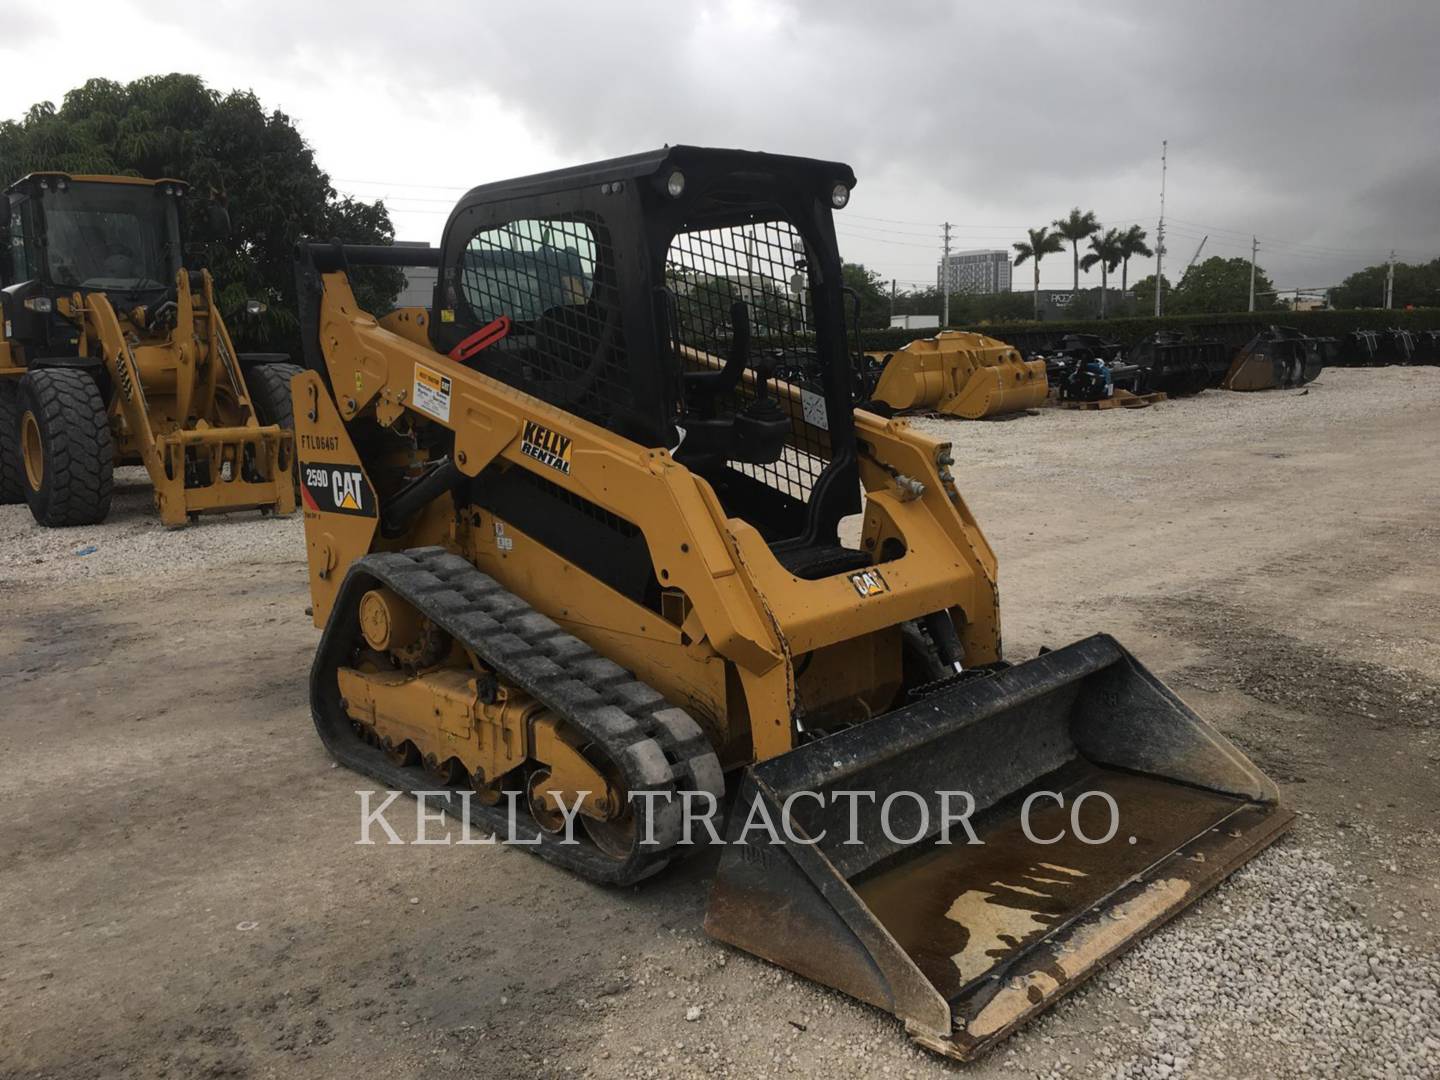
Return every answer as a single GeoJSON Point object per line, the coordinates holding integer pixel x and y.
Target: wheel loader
{"type": "Point", "coordinates": [584, 565]}
{"type": "Point", "coordinates": [113, 353]}
{"type": "Point", "coordinates": [958, 373]}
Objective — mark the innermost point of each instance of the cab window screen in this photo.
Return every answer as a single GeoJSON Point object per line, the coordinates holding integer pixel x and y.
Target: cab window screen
{"type": "Point", "coordinates": [761, 264]}
{"type": "Point", "coordinates": [555, 279]}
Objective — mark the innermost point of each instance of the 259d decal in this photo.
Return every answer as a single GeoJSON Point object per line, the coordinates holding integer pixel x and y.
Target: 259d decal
{"type": "Point", "coordinates": [336, 489]}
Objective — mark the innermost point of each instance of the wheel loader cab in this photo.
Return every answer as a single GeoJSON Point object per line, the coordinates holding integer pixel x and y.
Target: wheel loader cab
{"type": "Point", "coordinates": [111, 235]}
{"type": "Point", "coordinates": [657, 300]}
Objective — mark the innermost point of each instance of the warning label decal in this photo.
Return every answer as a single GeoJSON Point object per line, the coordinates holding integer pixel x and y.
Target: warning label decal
{"type": "Point", "coordinates": [432, 392]}
{"type": "Point", "coordinates": [813, 409]}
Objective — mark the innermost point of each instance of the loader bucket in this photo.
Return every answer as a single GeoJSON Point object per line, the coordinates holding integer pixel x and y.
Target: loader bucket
{"type": "Point", "coordinates": [1277, 357]}
{"type": "Point", "coordinates": [1179, 366]}
{"type": "Point", "coordinates": [964, 941]}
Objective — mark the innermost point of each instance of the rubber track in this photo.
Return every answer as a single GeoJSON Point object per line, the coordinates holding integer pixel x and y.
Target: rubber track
{"type": "Point", "coordinates": [79, 451]}
{"type": "Point", "coordinates": [12, 469]}
{"type": "Point", "coordinates": [655, 746]}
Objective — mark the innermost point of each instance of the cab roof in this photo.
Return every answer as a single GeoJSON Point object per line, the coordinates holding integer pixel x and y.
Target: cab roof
{"type": "Point", "coordinates": [94, 178]}
{"type": "Point", "coordinates": [653, 163]}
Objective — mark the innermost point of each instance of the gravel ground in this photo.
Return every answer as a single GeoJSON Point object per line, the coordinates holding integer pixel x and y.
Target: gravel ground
{"type": "Point", "coordinates": [1271, 556]}
{"type": "Point", "coordinates": [1285, 963]}
{"type": "Point", "coordinates": [1278, 966]}
{"type": "Point", "coordinates": [131, 542]}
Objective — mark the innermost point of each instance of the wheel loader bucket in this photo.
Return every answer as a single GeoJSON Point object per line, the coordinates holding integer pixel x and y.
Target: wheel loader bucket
{"type": "Point", "coordinates": [856, 886]}
{"type": "Point", "coordinates": [961, 374]}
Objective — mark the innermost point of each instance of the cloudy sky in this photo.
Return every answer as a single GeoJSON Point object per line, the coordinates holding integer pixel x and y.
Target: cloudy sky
{"type": "Point", "coordinates": [1315, 125]}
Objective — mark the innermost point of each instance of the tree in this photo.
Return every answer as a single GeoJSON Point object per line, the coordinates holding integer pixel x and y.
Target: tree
{"type": "Point", "coordinates": [1416, 285]}
{"type": "Point", "coordinates": [977, 308]}
{"type": "Point", "coordinates": [1132, 243]}
{"type": "Point", "coordinates": [232, 152]}
{"type": "Point", "coordinates": [1075, 228]}
{"type": "Point", "coordinates": [1107, 253]}
{"type": "Point", "coordinates": [1042, 242]}
{"type": "Point", "coordinates": [1145, 292]}
{"type": "Point", "coordinates": [1221, 285]}
{"type": "Point", "coordinates": [870, 287]}
{"type": "Point", "coordinates": [926, 301]}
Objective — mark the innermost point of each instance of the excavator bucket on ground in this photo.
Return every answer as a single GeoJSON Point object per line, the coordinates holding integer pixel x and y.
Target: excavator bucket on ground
{"type": "Point", "coordinates": [1427, 347]}
{"type": "Point", "coordinates": [963, 939]}
{"type": "Point", "coordinates": [1277, 357]}
{"type": "Point", "coordinates": [1180, 366]}
{"type": "Point", "coordinates": [960, 374]}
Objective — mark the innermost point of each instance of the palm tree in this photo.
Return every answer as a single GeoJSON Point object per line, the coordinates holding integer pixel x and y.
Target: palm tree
{"type": "Point", "coordinates": [1108, 252]}
{"type": "Point", "coordinates": [1132, 242]}
{"type": "Point", "coordinates": [1042, 242]}
{"type": "Point", "coordinates": [1075, 228]}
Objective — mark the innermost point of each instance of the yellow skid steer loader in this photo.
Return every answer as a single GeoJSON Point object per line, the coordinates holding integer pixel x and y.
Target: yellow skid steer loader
{"type": "Point", "coordinates": [962, 374]}
{"type": "Point", "coordinates": [115, 354]}
{"type": "Point", "coordinates": [584, 563]}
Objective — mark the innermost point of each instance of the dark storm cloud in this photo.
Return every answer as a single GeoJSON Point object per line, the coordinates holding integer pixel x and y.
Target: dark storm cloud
{"type": "Point", "coordinates": [1310, 123]}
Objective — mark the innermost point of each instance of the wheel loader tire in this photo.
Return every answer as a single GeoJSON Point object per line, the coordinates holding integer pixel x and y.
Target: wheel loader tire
{"type": "Point", "coordinates": [66, 451]}
{"type": "Point", "coordinates": [12, 471]}
{"type": "Point", "coordinates": [270, 393]}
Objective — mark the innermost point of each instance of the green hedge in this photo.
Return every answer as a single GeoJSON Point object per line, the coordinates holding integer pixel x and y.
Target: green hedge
{"type": "Point", "coordinates": [1129, 331]}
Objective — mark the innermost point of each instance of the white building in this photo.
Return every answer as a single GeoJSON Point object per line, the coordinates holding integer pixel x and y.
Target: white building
{"type": "Point", "coordinates": [976, 272]}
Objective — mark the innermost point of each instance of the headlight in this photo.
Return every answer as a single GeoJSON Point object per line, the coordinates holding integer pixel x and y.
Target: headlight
{"type": "Point", "coordinates": [839, 196]}
{"type": "Point", "coordinates": [41, 304]}
{"type": "Point", "coordinates": [675, 184]}
{"type": "Point", "coordinates": [255, 307]}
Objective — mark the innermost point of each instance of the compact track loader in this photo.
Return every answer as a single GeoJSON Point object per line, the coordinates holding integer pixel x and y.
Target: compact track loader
{"type": "Point", "coordinates": [960, 374]}
{"type": "Point", "coordinates": [576, 550]}
{"type": "Point", "coordinates": [115, 354]}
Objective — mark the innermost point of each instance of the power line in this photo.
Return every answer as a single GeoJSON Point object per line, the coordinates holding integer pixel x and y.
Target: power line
{"type": "Point", "coordinates": [932, 233]}
{"type": "Point", "coordinates": [401, 183]}
{"type": "Point", "coordinates": [879, 240]}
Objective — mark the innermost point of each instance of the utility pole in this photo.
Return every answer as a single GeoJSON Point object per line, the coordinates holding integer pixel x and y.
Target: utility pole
{"type": "Point", "coordinates": [945, 278]}
{"type": "Point", "coordinates": [1255, 247]}
{"type": "Point", "coordinates": [1160, 231]}
{"type": "Point", "coordinates": [1390, 282]}
{"type": "Point", "coordinates": [892, 299]}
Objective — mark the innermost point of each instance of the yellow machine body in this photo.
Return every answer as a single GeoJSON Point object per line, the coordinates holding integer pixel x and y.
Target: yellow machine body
{"type": "Point", "coordinates": [728, 645]}
{"type": "Point", "coordinates": [958, 373]}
